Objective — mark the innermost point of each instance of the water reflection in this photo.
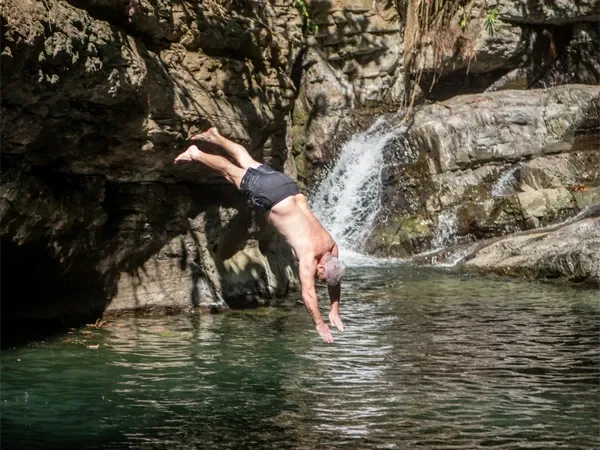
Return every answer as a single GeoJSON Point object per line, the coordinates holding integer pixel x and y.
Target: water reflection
{"type": "Point", "coordinates": [427, 360]}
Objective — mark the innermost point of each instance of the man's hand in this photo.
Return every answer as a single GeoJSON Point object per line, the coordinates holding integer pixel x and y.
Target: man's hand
{"type": "Point", "coordinates": [325, 332]}
{"type": "Point", "coordinates": [334, 319]}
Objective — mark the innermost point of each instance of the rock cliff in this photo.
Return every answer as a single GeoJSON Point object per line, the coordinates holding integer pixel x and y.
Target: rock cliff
{"type": "Point", "coordinates": [506, 44]}
{"type": "Point", "coordinates": [98, 98]}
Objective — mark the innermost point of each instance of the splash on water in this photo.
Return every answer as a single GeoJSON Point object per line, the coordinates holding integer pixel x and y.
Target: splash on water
{"type": "Point", "coordinates": [349, 197]}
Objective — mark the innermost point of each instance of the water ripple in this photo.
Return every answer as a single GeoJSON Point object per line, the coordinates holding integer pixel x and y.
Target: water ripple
{"type": "Point", "coordinates": [427, 361]}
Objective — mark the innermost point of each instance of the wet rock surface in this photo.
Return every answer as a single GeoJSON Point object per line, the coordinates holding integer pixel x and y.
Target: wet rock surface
{"type": "Point", "coordinates": [569, 253]}
{"type": "Point", "coordinates": [482, 166]}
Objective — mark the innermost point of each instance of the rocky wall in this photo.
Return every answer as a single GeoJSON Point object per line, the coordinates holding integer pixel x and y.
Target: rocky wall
{"type": "Point", "coordinates": [483, 166]}
{"type": "Point", "coordinates": [511, 44]}
{"type": "Point", "coordinates": [98, 97]}
{"type": "Point", "coordinates": [352, 67]}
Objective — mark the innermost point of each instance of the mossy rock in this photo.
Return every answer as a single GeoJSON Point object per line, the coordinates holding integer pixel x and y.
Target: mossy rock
{"type": "Point", "coordinates": [489, 218]}
{"type": "Point", "coordinates": [476, 193]}
{"type": "Point", "coordinates": [470, 217]}
{"type": "Point", "coordinates": [510, 205]}
{"type": "Point", "coordinates": [298, 140]}
{"type": "Point", "coordinates": [300, 161]}
{"type": "Point", "coordinates": [300, 116]}
{"type": "Point", "coordinates": [422, 165]}
{"type": "Point", "coordinates": [413, 227]}
{"type": "Point", "coordinates": [586, 196]}
{"type": "Point", "coordinates": [402, 230]}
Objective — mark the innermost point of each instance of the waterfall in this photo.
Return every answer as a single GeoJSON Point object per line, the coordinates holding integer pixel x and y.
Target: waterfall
{"type": "Point", "coordinates": [348, 199]}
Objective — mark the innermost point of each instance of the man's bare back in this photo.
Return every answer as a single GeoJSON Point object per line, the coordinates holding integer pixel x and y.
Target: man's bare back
{"type": "Point", "coordinates": [287, 209]}
{"type": "Point", "coordinates": [305, 234]}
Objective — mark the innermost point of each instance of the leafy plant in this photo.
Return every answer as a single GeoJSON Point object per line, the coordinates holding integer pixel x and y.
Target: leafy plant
{"type": "Point", "coordinates": [300, 5]}
{"type": "Point", "coordinates": [463, 18]}
{"type": "Point", "coordinates": [491, 20]}
{"type": "Point", "coordinates": [431, 30]}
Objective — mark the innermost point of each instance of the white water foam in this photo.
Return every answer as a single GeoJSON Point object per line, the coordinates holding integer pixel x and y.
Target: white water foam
{"type": "Point", "coordinates": [349, 197]}
{"type": "Point", "coordinates": [505, 185]}
{"type": "Point", "coordinates": [446, 230]}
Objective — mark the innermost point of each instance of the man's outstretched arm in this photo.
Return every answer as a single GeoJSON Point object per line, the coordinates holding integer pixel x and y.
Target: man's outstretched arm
{"type": "Point", "coordinates": [335, 293]}
{"type": "Point", "coordinates": [306, 271]}
{"type": "Point", "coordinates": [334, 313]}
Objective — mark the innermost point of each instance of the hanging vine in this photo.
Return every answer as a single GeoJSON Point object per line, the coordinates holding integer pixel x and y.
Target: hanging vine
{"type": "Point", "coordinates": [302, 8]}
{"type": "Point", "coordinates": [431, 28]}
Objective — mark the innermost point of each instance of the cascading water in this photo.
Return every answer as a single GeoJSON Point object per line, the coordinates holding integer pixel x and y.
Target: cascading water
{"type": "Point", "coordinates": [348, 199]}
{"type": "Point", "coordinates": [446, 230]}
{"type": "Point", "coordinates": [506, 183]}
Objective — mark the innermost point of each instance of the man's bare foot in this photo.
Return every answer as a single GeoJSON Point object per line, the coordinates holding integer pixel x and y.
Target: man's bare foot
{"type": "Point", "coordinates": [191, 154]}
{"type": "Point", "coordinates": [209, 135]}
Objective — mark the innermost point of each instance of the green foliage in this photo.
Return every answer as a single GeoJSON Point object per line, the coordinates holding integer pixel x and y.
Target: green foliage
{"type": "Point", "coordinates": [491, 20]}
{"type": "Point", "coordinates": [300, 5]}
{"type": "Point", "coordinates": [463, 18]}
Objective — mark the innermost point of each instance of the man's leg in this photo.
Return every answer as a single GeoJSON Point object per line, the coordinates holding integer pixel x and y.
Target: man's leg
{"type": "Point", "coordinates": [230, 171]}
{"type": "Point", "coordinates": [237, 151]}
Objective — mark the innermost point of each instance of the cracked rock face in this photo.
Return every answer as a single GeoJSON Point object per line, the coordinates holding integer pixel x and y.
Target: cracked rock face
{"type": "Point", "coordinates": [512, 44]}
{"type": "Point", "coordinates": [88, 96]}
{"type": "Point", "coordinates": [570, 253]}
{"type": "Point", "coordinates": [480, 166]}
{"type": "Point", "coordinates": [98, 98]}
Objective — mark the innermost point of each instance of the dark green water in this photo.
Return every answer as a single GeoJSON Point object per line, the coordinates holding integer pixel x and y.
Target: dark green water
{"type": "Point", "coordinates": [428, 360]}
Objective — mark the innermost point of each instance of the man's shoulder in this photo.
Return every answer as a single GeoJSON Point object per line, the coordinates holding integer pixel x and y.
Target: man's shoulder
{"type": "Point", "coordinates": [307, 257]}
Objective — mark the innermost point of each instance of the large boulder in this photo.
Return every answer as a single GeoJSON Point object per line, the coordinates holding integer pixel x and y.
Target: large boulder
{"type": "Point", "coordinates": [568, 253]}
{"type": "Point", "coordinates": [470, 131]}
{"type": "Point", "coordinates": [483, 166]}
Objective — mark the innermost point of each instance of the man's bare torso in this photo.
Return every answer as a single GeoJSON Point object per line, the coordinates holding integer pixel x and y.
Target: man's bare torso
{"type": "Point", "coordinates": [305, 234]}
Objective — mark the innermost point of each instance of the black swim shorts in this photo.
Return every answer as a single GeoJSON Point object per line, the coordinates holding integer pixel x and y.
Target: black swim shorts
{"type": "Point", "coordinates": [267, 187]}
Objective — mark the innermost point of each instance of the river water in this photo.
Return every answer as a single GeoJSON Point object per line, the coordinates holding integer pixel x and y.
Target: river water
{"type": "Point", "coordinates": [428, 360]}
